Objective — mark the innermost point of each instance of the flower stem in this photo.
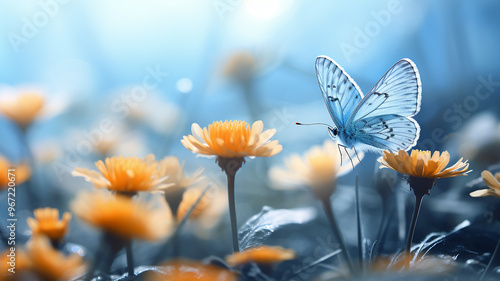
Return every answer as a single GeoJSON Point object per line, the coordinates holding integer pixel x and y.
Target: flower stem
{"type": "Point", "coordinates": [130, 259]}
{"type": "Point", "coordinates": [331, 219]}
{"type": "Point", "coordinates": [493, 256]}
{"type": "Point", "coordinates": [416, 210]}
{"type": "Point", "coordinates": [232, 211]}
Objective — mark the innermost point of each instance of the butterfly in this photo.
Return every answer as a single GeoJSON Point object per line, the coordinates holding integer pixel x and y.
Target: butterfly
{"type": "Point", "coordinates": [381, 120]}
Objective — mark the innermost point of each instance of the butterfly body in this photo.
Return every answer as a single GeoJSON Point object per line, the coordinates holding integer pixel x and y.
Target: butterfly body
{"type": "Point", "coordinates": [381, 119]}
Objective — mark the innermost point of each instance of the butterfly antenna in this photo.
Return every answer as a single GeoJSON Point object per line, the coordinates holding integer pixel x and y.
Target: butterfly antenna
{"type": "Point", "coordinates": [357, 155]}
{"type": "Point", "coordinates": [309, 124]}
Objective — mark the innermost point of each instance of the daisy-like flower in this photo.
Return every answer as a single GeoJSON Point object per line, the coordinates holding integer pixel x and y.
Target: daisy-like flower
{"type": "Point", "coordinates": [493, 182]}
{"type": "Point", "coordinates": [176, 182]}
{"type": "Point", "coordinates": [49, 264]}
{"type": "Point", "coordinates": [124, 175]}
{"type": "Point", "coordinates": [46, 222]}
{"type": "Point", "coordinates": [188, 270]}
{"type": "Point", "coordinates": [423, 164]}
{"type": "Point", "coordinates": [423, 168]}
{"type": "Point", "coordinates": [261, 255]}
{"type": "Point", "coordinates": [122, 216]}
{"type": "Point", "coordinates": [22, 173]}
{"type": "Point", "coordinates": [22, 108]}
{"type": "Point", "coordinates": [189, 198]}
{"type": "Point", "coordinates": [232, 139]}
{"type": "Point", "coordinates": [231, 142]}
{"type": "Point", "coordinates": [318, 169]}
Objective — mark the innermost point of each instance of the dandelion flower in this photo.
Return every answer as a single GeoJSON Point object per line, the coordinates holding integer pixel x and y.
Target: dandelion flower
{"type": "Point", "coordinates": [125, 175]}
{"type": "Point", "coordinates": [46, 222]}
{"type": "Point", "coordinates": [423, 170]}
{"type": "Point", "coordinates": [261, 255]}
{"type": "Point", "coordinates": [232, 139]}
{"type": "Point", "coordinates": [188, 270]}
{"type": "Point", "coordinates": [50, 264]}
{"type": "Point", "coordinates": [318, 169]}
{"type": "Point", "coordinates": [231, 142]}
{"type": "Point", "coordinates": [21, 173]}
{"type": "Point", "coordinates": [23, 108]}
{"type": "Point", "coordinates": [493, 182]}
{"type": "Point", "coordinates": [176, 181]}
{"type": "Point", "coordinates": [122, 216]}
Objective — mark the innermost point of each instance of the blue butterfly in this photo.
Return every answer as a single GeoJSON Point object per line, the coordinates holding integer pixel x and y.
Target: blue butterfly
{"type": "Point", "coordinates": [381, 120]}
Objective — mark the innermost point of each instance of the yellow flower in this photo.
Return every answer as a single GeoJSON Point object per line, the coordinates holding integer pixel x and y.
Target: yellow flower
{"type": "Point", "coordinates": [261, 255]}
{"type": "Point", "coordinates": [124, 174]}
{"type": "Point", "coordinates": [318, 169]}
{"type": "Point", "coordinates": [188, 270]}
{"type": "Point", "coordinates": [188, 199]}
{"type": "Point", "coordinates": [492, 181]}
{"type": "Point", "coordinates": [421, 164]}
{"type": "Point", "coordinates": [232, 139]}
{"type": "Point", "coordinates": [176, 183]}
{"type": "Point", "coordinates": [122, 216]}
{"type": "Point", "coordinates": [21, 173]}
{"type": "Point", "coordinates": [47, 223]}
{"type": "Point", "coordinates": [23, 108]}
{"type": "Point", "coordinates": [173, 170]}
{"type": "Point", "coordinates": [49, 264]}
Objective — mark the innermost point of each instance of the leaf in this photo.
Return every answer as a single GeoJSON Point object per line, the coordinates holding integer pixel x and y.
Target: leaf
{"type": "Point", "coordinates": [260, 226]}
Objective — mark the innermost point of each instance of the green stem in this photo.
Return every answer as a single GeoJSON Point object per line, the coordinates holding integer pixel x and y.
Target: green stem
{"type": "Point", "coordinates": [232, 211]}
{"type": "Point", "coordinates": [130, 259]}
{"type": "Point", "coordinates": [329, 214]}
{"type": "Point", "coordinates": [416, 210]}
{"type": "Point", "coordinates": [493, 256]}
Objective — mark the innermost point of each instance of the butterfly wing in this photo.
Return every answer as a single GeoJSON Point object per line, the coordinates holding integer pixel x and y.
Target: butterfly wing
{"type": "Point", "coordinates": [383, 118]}
{"type": "Point", "coordinates": [340, 93]}
{"type": "Point", "coordinates": [390, 131]}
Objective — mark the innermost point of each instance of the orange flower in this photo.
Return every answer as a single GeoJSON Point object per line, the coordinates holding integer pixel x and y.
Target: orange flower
{"type": "Point", "coordinates": [47, 223]}
{"type": "Point", "coordinates": [318, 169]}
{"type": "Point", "coordinates": [421, 164]}
{"type": "Point", "coordinates": [491, 181]}
{"type": "Point", "coordinates": [261, 255]}
{"type": "Point", "coordinates": [23, 108]}
{"type": "Point", "coordinates": [123, 216]}
{"type": "Point", "coordinates": [190, 197]}
{"type": "Point", "coordinates": [124, 174]}
{"type": "Point", "coordinates": [49, 264]}
{"type": "Point", "coordinates": [188, 270]}
{"type": "Point", "coordinates": [21, 173]}
{"type": "Point", "coordinates": [232, 139]}
{"type": "Point", "coordinates": [173, 171]}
